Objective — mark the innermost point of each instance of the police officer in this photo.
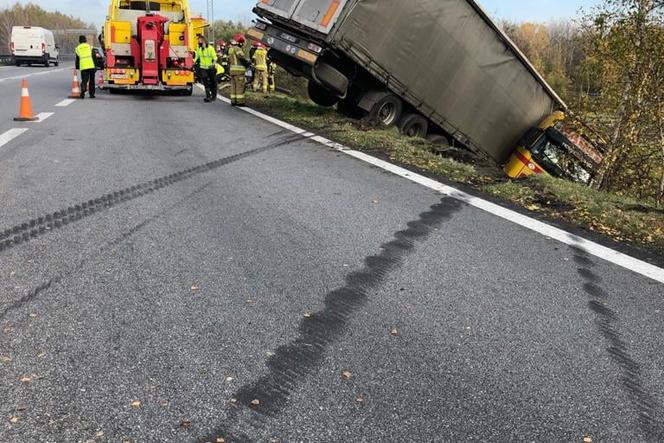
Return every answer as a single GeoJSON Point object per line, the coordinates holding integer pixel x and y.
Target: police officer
{"type": "Point", "coordinates": [260, 65]}
{"type": "Point", "coordinates": [206, 58]}
{"type": "Point", "coordinates": [86, 64]}
{"type": "Point", "coordinates": [238, 63]}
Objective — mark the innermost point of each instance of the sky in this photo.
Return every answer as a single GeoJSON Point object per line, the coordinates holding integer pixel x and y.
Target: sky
{"type": "Point", "coordinates": [518, 10]}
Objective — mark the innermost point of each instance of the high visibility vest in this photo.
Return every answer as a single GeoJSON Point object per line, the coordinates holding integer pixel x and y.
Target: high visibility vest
{"type": "Point", "coordinates": [260, 59]}
{"type": "Point", "coordinates": [85, 60]}
{"type": "Point", "coordinates": [235, 57]}
{"type": "Point", "coordinates": [220, 69]}
{"type": "Point", "coordinates": [206, 57]}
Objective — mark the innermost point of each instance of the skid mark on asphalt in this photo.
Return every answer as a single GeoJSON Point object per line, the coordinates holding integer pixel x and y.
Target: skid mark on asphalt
{"type": "Point", "coordinates": [608, 322]}
{"type": "Point", "coordinates": [292, 362]}
{"type": "Point", "coordinates": [34, 293]}
{"type": "Point", "coordinates": [36, 227]}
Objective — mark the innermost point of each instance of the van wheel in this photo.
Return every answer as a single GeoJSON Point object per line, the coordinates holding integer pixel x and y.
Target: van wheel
{"type": "Point", "coordinates": [47, 63]}
{"type": "Point", "coordinates": [320, 95]}
{"type": "Point", "coordinates": [57, 62]}
{"type": "Point", "coordinates": [414, 125]}
{"type": "Point", "coordinates": [387, 111]}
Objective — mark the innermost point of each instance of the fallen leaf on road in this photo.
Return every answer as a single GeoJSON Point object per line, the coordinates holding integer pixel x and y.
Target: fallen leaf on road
{"type": "Point", "coordinates": [8, 330]}
{"type": "Point", "coordinates": [233, 400]}
{"type": "Point", "coordinates": [41, 355]}
{"type": "Point", "coordinates": [229, 379]}
{"type": "Point", "coordinates": [255, 402]}
{"type": "Point", "coordinates": [21, 407]}
{"type": "Point", "coordinates": [194, 288]}
{"type": "Point", "coordinates": [269, 353]}
{"type": "Point", "coordinates": [5, 359]}
{"type": "Point", "coordinates": [307, 315]}
{"type": "Point", "coordinates": [587, 440]}
{"type": "Point", "coordinates": [347, 375]}
{"type": "Point", "coordinates": [99, 434]}
{"type": "Point", "coordinates": [14, 419]}
{"type": "Point", "coordinates": [359, 399]}
{"type": "Point", "coordinates": [33, 315]}
{"type": "Point", "coordinates": [220, 440]}
{"type": "Point", "coordinates": [374, 201]}
{"type": "Point", "coordinates": [164, 403]}
{"type": "Point", "coordinates": [185, 424]}
{"type": "Point", "coordinates": [135, 404]}
{"type": "Point", "coordinates": [394, 332]}
{"type": "Point", "coordinates": [26, 379]}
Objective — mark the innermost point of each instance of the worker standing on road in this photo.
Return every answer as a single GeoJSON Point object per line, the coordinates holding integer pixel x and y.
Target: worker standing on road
{"type": "Point", "coordinates": [260, 64]}
{"type": "Point", "coordinates": [206, 58]}
{"type": "Point", "coordinates": [238, 63]}
{"type": "Point", "coordinates": [86, 64]}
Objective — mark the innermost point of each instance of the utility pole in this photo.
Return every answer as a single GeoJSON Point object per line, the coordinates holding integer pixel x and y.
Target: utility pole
{"type": "Point", "coordinates": [210, 16]}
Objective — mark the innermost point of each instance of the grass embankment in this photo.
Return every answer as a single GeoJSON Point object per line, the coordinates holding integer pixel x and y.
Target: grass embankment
{"type": "Point", "coordinates": [620, 218]}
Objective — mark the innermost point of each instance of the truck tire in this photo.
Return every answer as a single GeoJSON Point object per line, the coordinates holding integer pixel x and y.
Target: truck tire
{"type": "Point", "coordinates": [414, 125]}
{"type": "Point", "coordinates": [438, 139]}
{"type": "Point", "coordinates": [320, 95]}
{"type": "Point", "coordinates": [331, 78]}
{"type": "Point", "coordinates": [386, 111]}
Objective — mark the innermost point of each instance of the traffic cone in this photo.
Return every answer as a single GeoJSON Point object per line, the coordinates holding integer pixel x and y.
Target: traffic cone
{"type": "Point", "coordinates": [25, 112]}
{"type": "Point", "coordinates": [75, 87]}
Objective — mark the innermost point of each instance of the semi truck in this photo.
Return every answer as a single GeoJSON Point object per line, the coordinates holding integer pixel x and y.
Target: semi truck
{"type": "Point", "coordinates": [149, 45]}
{"type": "Point", "coordinates": [440, 69]}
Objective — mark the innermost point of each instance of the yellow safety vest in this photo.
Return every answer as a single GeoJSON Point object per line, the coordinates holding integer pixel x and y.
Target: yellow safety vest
{"type": "Point", "coordinates": [207, 57]}
{"type": "Point", "coordinates": [260, 59]}
{"type": "Point", "coordinates": [85, 60]}
{"type": "Point", "coordinates": [235, 57]}
{"type": "Point", "coordinates": [220, 69]}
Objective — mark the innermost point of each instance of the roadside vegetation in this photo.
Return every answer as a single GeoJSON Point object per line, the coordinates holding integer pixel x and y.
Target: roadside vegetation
{"type": "Point", "coordinates": [621, 218]}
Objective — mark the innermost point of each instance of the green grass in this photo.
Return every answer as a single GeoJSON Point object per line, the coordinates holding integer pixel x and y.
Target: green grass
{"type": "Point", "coordinates": [620, 218]}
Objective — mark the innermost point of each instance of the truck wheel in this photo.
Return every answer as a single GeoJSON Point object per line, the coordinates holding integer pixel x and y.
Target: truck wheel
{"type": "Point", "coordinates": [387, 110]}
{"type": "Point", "coordinates": [414, 125]}
{"type": "Point", "coordinates": [438, 139]}
{"type": "Point", "coordinates": [320, 95]}
{"type": "Point", "coordinates": [332, 78]}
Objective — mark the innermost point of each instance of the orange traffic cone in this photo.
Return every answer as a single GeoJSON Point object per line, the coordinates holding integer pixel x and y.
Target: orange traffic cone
{"type": "Point", "coordinates": [75, 87]}
{"type": "Point", "coordinates": [25, 112]}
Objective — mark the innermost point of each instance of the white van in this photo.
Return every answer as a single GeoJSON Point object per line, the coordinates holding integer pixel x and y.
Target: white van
{"type": "Point", "coordinates": [31, 44]}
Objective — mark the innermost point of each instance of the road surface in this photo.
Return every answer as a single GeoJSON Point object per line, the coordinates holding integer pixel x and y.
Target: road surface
{"type": "Point", "coordinates": [175, 271]}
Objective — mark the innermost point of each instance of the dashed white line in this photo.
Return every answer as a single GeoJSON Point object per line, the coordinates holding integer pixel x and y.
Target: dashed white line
{"type": "Point", "coordinates": [65, 102]}
{"type": "Point", "coordinates": [42, 116]}
{"type": "Point", "coordinates": [10, 135]}
{"type": "Point", "coordinates": [610, 255]}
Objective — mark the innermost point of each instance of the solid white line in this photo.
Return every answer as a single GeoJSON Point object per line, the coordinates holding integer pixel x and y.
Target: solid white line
{"type": "Point", "coordinates": [10, 135]}
{"type": "Point", "coordinates": [42, 116]}
{"type": "Point", "coordinates": [65, 102]}
{"type": "Point", "coordinates": [21, 77]}
{"type": "Point", "coordinates": [592, 248]}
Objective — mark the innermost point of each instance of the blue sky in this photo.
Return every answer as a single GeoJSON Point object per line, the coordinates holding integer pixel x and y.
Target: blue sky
{"type": "Point", "coordinates": [532, 10]}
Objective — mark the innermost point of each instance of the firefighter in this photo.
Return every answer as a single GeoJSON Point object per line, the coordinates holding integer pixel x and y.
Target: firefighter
{"type": "Point", "coordinates": [206, 58]}
{"type": "Point", "coordinates": [260, 65]}
{"type": "Point", "coordinates": [86, 64]}
{"type": "Point", "coordinates": [252, 76]}
{"type": "Point", "coordinates": [271, 68]}
{"type": "Point", "coordinates": [238, 63]}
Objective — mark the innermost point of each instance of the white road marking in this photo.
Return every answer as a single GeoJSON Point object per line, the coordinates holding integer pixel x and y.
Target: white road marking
{"type": "Point", "coordinates": [21, 77]}
{"type": "Point", "coordinates": [42, 116]}
{"type": "Point", "coordinates": [65, 102]}
{"type": "Point", "coordinates": [618, 258]}
{"type": "Point", "coordinates": [10, 135]}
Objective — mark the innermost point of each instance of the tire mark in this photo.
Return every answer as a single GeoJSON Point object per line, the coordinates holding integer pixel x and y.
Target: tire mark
{"type": "Point", "coordinates": [27, 298]}
{"type": "Point", "coordinates": [293, 362]}
{"type": "Point", "coordinates": [608, 323]}
{"type": "Point", "coordinates": [36, 227]}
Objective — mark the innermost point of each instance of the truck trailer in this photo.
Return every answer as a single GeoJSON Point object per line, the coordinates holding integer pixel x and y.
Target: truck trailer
{"type": "Point", "coordinates": [435, 68]}
{"type": "Point", "coordinates": [149, 45]}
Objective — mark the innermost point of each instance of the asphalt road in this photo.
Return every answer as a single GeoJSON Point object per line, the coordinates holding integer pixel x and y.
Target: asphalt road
{"type": "Point", "coordinates": [176, 271]}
